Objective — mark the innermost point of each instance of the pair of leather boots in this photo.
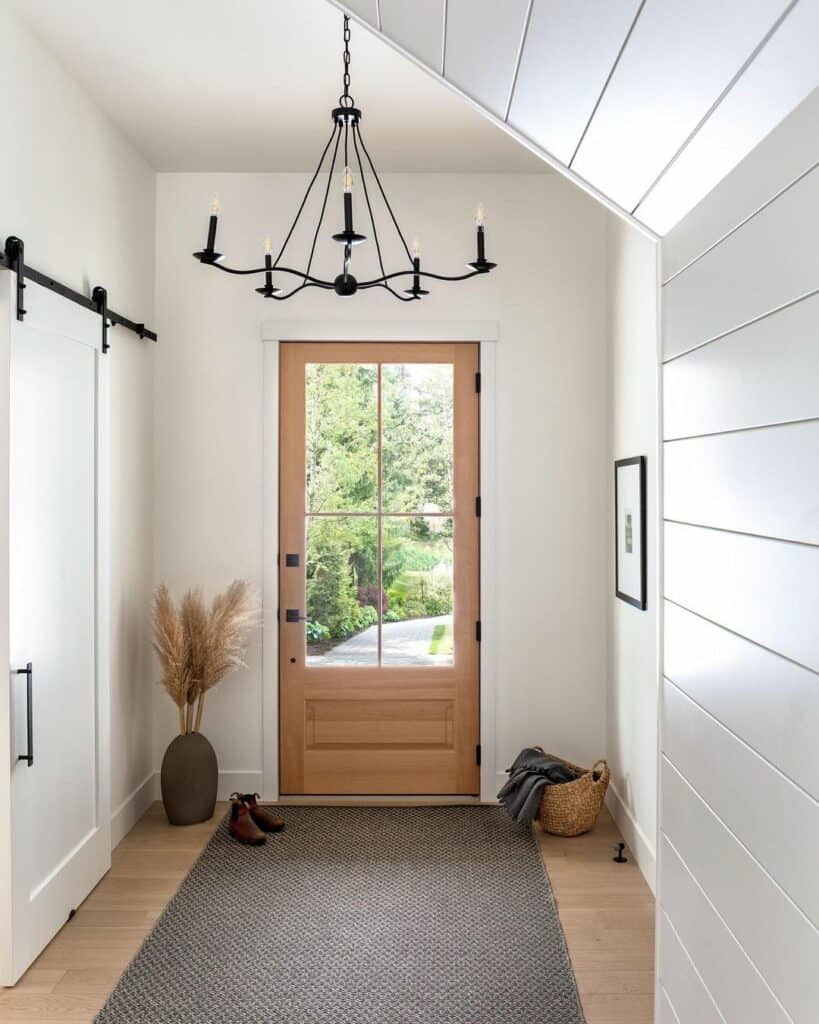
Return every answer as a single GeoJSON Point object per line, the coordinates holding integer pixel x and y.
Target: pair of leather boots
{"type": "Point", "coordinates": [249, 821]}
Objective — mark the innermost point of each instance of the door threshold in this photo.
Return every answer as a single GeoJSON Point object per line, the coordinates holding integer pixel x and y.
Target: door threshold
{"type": "Point", "coordinates": [378, 801]}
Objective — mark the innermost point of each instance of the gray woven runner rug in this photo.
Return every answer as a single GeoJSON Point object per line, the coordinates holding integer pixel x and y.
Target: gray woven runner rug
{"type": "Point", "coordinates": [359, 915]}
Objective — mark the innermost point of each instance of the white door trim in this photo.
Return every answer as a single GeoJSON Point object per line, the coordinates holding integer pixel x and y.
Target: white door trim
{"type": "Point", "coordinates": [486, 333]}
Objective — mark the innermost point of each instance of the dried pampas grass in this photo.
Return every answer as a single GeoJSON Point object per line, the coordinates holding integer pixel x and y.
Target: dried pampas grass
{"type": "Point", "coordinates": [198, 646]}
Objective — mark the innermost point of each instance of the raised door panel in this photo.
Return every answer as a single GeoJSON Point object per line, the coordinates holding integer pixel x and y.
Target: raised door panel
{"type": "Point", "coordinates": [380, 723]}
{"type": "Point", "coordinates": [570, 48]}
{"type": "Point", "coordinates": [770, 702]}
{"type": "Point", "coordinates": [680, 57]}
{"type": "Point", "coordinates": [755, 481]}
{"type": "Point", "coordinates": [765, 590]}
{"type": "Point", "coordinates": [768, 262]}
{"type": "Point", "coordinates": [767, 372]}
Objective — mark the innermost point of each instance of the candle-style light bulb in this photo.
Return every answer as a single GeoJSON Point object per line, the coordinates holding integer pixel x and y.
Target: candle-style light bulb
{"type": "Point", "coordinates": [416, 291]}
{"type": "Point", "coordinates": [209, 254]}
{"type": "Point", "coordinates": [268, 289]}
{"type": "Point", "coordinates": [481, 264]}
{"type": "Point", "coordinates": [348, 236]}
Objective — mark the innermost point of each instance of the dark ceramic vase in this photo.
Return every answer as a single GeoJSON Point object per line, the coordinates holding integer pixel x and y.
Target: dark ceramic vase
{"type": "Point", "coordinates": [189, 777]}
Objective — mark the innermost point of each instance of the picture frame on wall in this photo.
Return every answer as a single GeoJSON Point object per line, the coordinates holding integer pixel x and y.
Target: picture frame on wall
{"type": "Point", "coordinates": [630, 530]}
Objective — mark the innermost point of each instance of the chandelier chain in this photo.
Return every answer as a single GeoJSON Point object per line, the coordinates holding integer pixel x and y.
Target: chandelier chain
{"type": "Point", "coordinates": [346, 100]}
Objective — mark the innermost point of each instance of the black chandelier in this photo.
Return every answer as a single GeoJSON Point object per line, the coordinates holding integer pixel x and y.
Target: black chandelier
{"type": "Point", "coordinates": [346, 118]}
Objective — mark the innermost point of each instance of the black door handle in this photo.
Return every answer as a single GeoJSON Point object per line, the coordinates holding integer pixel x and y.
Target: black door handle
{"type": "Point", "coordinates": [28, 672]}
{"type": "Point", "coordinates": [293, 615]}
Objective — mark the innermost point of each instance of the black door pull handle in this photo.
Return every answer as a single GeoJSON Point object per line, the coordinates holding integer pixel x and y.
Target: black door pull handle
{"type": "Point", "coordinates": [28, 672]}
{"type": "Point", "coordinates": [293, 615]}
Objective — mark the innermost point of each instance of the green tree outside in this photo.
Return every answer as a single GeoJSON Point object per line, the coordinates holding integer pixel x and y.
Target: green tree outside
{"type": "Point", "coordinates": [342, 476]}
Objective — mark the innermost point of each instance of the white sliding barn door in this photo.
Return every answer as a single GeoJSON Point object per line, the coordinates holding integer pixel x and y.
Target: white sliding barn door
{"type": "Point", "coordinates": [59, 799]}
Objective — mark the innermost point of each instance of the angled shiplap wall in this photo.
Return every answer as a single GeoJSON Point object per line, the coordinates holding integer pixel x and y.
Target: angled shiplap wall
{"type": "Point", "coordinates": [739, 810]}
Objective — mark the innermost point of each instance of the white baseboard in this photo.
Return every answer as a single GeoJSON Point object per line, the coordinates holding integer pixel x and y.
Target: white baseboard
{"type": "Point", "coordinates": [124, 817]}
{"type": "Point", "coordinates": [238, 782]}
{"type": "Point", "coordinates": [636, 840]}
{"type": "Point", "coordinates": [132, 808]}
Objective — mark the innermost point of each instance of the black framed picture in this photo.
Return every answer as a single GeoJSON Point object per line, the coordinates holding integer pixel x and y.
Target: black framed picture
{"type": "Point", "coordinates": [630, 530]}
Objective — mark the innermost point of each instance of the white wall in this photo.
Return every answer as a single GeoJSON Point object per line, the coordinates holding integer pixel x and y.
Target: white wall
{"type": "Point", "coordinates": [633, 684]}
{"type": "Point", "coordinates": [739, 903]}
{"type": "Point", "coordinates": [82, 200]}
{"type": "Point", "coordinates": [549, 294]}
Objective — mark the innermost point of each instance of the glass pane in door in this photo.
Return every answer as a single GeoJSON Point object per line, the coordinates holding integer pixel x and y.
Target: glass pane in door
{"type": "Point", "coordinates": [341, 437]}
{"type": "Point", "coordinates": [417, 438]}
{"type": "Point", "coordinates": [342, 590]}
{"type": "Point", "coordinates": [418, 594]}
{"type": "Point", "coordinates": [379, 466]}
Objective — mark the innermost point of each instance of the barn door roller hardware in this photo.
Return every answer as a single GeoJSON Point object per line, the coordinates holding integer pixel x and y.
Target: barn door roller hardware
{"type": "Point", "coordinates": [13, 258]}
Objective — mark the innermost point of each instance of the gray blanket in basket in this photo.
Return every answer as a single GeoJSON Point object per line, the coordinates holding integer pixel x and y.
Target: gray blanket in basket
{"type": "Point", "coordinates": [531, 771]}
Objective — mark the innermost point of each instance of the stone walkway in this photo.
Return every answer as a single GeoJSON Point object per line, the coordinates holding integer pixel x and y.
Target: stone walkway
{"type": "Point", "coordinates": [402, 643]}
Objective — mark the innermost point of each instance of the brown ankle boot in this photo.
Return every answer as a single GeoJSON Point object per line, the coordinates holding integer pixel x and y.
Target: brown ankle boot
{"type": "Point", "coordinates": [264, 818]}
{"type": "Point", "coordinates": [241, 826]}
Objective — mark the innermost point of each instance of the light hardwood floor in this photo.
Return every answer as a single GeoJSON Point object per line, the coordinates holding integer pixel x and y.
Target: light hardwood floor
{"type": "Point", "coordinates": [607, 912]}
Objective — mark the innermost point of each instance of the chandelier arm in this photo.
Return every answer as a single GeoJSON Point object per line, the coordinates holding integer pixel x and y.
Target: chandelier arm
{"type": "Point", "coordinates": [420, 273]}
{"type": "Point", "coordinates": [398, 295]}
{"type": "Point", "coordinates": [323, 207]}
{"type": "Point", "coordinates": [279, 270]}
{"type": "Point", "coordinates": [357, 129]}
{"type": "Point", "coordinates": [392, 291]}
{"type": "Point", "coordinates": [369, 204]}
{"type": "Point", "coordinates": [336, 129]}
{"type": "Point", "coordinates": [298, 288]}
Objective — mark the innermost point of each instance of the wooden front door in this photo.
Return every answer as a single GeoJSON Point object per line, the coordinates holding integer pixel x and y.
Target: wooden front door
{"type": "Point", "coordinates": [379, 569]}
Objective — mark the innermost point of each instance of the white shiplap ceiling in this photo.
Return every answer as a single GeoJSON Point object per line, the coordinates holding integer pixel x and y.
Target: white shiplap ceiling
{"type": "Point", "coordinates": [649, 103]}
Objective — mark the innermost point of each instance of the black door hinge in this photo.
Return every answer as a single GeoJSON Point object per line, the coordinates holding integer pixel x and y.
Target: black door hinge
{"type": "Point", "coordinates": [478, 754]}
{"type": "Point", "coordinates": [478, 506]}
{"type": "Point", "coordinates": [478, 630]}
{"type": "Point", "coordinates": [478, 383]}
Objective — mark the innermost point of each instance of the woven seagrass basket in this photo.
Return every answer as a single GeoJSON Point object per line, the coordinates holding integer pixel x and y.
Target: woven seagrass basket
{"type": "Point", "coordinates": [571, 808]}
